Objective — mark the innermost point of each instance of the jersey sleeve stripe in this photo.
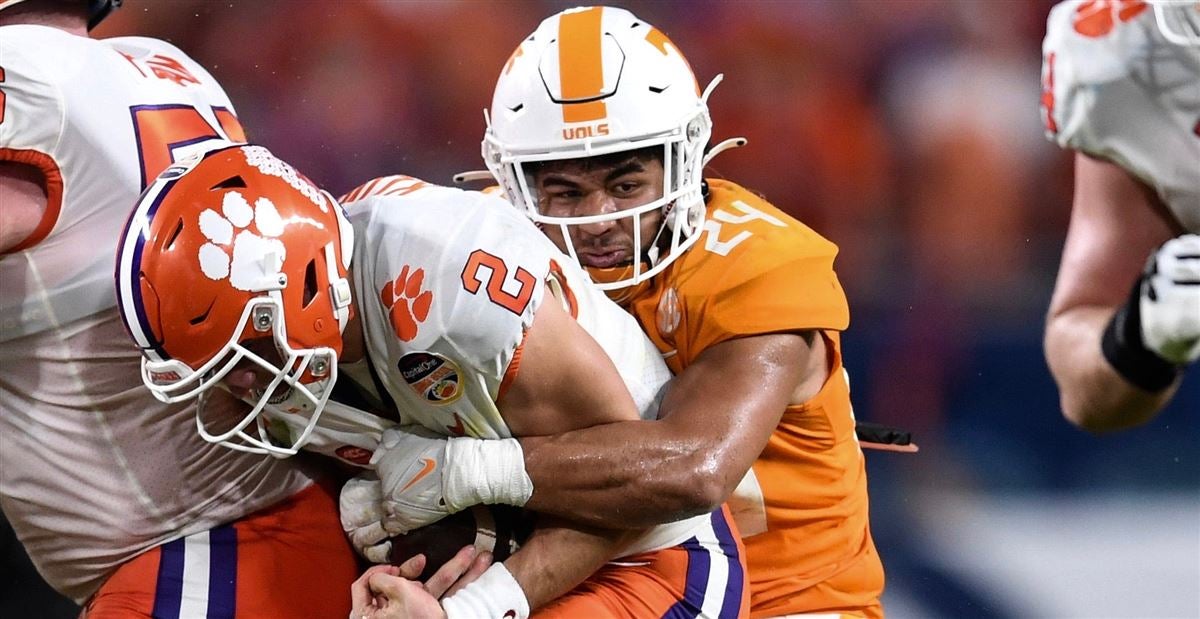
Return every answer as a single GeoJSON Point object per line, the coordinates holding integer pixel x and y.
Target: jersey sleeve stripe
{"type": "Point", "coordinates": [387, 186]}
{"type": "Point", "coordinates": [568, 296]}
{"type": "Point", "coordinates": [394, 185]}
{"type": "Point", "coordinates": [510, 373]}
{"type": "Point", "coordinates": [52, 182]}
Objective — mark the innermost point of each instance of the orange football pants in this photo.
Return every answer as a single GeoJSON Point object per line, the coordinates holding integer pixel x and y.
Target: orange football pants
{"type": "Point", "coordinates": [289, 560]}
{"type": "Point", "coordinates": [704, 576]}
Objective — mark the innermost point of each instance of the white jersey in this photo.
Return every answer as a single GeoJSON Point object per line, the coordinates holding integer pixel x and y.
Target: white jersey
{"type": "Point", "coordinates": [93, 470]}
{"type": "Point", "coordinates": [1116, 89]}
{"type": "Point", "coordinates": [448, 281]}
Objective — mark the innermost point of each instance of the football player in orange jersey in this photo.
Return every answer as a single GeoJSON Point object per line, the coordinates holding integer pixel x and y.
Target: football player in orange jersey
{"type": "Point", "coordinates": [1125, 317]}
{"type": "Point", "coordinates": [598, 131]}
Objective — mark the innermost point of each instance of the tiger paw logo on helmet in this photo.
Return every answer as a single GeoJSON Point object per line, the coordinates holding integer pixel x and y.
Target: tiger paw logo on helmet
{"type": "Point", "coordinates": [239, 238]}
{"type": "Point", "coordinates": [407, 305]}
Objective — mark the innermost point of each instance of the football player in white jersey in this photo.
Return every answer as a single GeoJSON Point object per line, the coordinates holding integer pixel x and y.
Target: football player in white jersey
{"type": "Point", "coordinates": [1121, 87]}
{"type": "Point", "coordinates": [458, 316]}
{"type": "Point", "coordinates": [120, 505]}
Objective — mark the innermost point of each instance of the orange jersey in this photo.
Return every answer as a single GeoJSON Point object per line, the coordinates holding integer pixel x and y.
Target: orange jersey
{"type": "Point", "coordinates": [802, 509]}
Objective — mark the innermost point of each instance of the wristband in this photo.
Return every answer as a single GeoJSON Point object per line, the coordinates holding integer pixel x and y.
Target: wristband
{"type": "Point", "coordinates": [485, 471]}
{"type": "Point", "coordinates": [494, 595]}
{"type": "Point", "coordinates": [1125, 351]}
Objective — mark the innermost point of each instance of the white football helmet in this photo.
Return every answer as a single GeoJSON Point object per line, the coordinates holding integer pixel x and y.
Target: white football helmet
{"type": "Point", "coordinates": [594, 81]}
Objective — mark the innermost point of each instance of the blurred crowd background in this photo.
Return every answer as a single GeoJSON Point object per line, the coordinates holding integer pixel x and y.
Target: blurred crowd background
{"type": "Point", "coordinates": [908, 132]}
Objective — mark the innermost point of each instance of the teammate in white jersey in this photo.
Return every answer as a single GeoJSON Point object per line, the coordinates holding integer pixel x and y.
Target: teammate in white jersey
{"type": "Point", "coordinates": [118, 502]}
{"type": "Point", "coordinates": [458, 316]}
{"type": "Point", "coordinates": [1121, 87]}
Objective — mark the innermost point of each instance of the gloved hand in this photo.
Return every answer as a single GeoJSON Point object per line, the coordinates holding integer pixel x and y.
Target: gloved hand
{"type": "Point", "coordinates": [362, 512]}
{"type": "Point", "coordinates": [410, 462]}
{"type": "Point", "coordinates": [1169, 300]}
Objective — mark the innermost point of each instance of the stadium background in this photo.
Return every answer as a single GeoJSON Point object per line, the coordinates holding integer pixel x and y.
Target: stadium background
{"type": "Point", "coordinates": [907, 132]}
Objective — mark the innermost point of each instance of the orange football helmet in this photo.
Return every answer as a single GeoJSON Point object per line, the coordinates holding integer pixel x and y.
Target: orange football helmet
{"type": "Point", "coordinates": [230, 258]}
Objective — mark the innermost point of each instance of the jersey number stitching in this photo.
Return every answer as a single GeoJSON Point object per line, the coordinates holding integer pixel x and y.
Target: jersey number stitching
{"type": "Point", "coordinates": [497, 275]}
{"type": "Point", "coordinates": [713, 242]}
{"type": "Point", "coordinates": [159, 129]}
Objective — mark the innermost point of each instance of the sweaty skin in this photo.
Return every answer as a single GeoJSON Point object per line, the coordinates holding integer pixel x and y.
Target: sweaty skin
{"type": "Point", "coordinates": [715, 420]}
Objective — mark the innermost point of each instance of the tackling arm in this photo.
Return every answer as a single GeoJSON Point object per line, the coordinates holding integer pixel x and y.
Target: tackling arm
{"type": "Point", "coordinates": [1116, 222]}
{"type": "Point", "coordinates": [715, 421]}
{"type": "Point", "coordinates": [564, 382]}
{"type": "Point", "coordinates": [538, 566]}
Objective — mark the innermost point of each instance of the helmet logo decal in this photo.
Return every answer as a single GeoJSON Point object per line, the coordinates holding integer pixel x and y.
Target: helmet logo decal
{"type": "Point", "coordinates": [656, 38]}
{"type": "Point", "coordinates": [581, 66]}
{"type": "Point", "coordinates": [406, 303]}
{"type": "Point", "coordinates": [586, 131]}
{"type": "Point", "coordinates": [228, 233]}
{"type": "Point", "coordinates": [434, 377]}
{"type": "Point", "coordinates": [513, 58]}
{"type": "Point", "coordinates": [1097, 18]}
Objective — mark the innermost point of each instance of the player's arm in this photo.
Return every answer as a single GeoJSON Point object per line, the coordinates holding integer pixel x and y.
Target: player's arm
{"type": "Point", "coordinates": [565, 381]}
{"type": "Point", "coordinates": [471, 585]}
{"type": "Point", "coordinates": [1116, 223]}
{"type": "Point", "coordinates": [715, 421]}
{"type": "Point", "coordinates": [22, 203]}
{"type": "Point", "coordinates": [556, 549]}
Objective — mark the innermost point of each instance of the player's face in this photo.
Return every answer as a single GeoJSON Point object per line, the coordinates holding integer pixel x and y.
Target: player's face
{"type": "Point", "coordinates": [248, 380]}
{"type": "Point", "coordinates": [587, 187]}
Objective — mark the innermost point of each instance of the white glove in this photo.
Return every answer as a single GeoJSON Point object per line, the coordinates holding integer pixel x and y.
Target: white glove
{"type": "Point", "coordinates": [424, 477]}
{"type": "Point", "coordinates": [1170, 300]}
{"type": "Point", "coordinates": [362, 513]}
{"type": "Point", "coordinates": [410, 462]}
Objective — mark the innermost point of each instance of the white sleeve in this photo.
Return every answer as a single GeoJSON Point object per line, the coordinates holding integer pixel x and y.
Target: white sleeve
{"type": "Point", "coordinates": [32, 107]}
{"type": "Point", "coordinates": [1114, 88]}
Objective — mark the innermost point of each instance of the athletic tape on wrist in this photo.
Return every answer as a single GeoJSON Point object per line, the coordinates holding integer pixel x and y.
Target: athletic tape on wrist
{"type": "Point", "coordinates": [1125, 351]}
{"type": "Point", "coordinates": [485, 471]}
{"type": "Point", "coordinates": [495, 595]}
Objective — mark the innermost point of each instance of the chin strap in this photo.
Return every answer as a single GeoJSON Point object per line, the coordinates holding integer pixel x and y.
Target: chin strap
{"type": "Point", "coordinates": [339, 289]}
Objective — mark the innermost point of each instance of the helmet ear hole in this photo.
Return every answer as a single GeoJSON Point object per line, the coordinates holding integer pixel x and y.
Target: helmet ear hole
{"type": "Point", "coordinates": [233, 182]}
{"type": "Point", "coordinates": [203, 316]}
{"type": "Point", "coordinates": [310, 284]}
{"type": "Point", "coordinates": [174, 234]}
{"type": "Point", "coordinates": [152, 309]}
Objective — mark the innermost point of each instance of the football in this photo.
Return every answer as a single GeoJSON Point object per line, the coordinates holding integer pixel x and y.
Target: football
{"type": "Point", "coordinates": [498, 529]}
